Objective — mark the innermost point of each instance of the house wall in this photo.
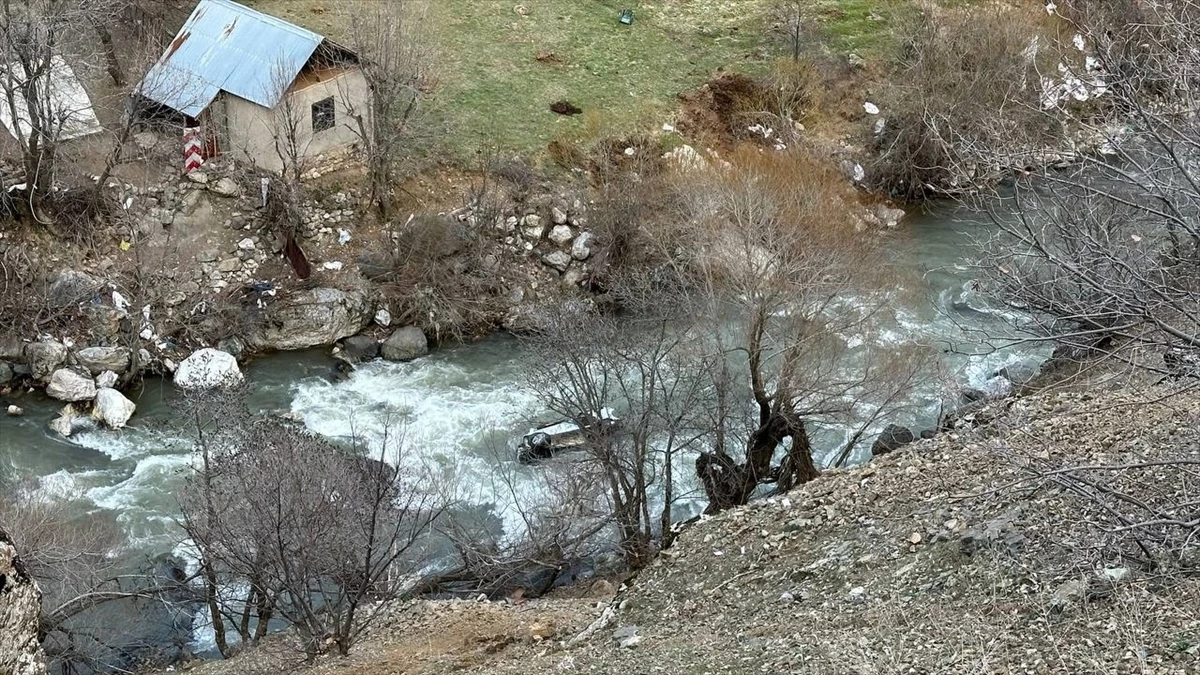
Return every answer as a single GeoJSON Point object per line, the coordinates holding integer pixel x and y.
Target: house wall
{"type": "Point", "coordinates": [252, 129]}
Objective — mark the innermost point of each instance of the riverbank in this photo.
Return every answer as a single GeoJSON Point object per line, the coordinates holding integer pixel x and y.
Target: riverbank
{"type": "Point", "coordinates": [967, 553]}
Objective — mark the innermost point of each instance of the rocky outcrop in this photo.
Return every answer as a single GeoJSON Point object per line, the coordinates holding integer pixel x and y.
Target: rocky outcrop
{"type": "Point", "coordinates": [44, 358]}
{"type": "Point", "coordinates": [320, 316]}
{"type": "Point", "coordinates": [20, 607]}
{"type": "Point", "coordinates": [99, 359]}
{"type": "Point", "coordinates": [6, 374]}
{"type": "Point", "coordinates": [208, 369]}
{"type": "Point", "coordinates": [68, 385]}
{"type": "Point", "coordinates": [405, 344]}
{"type": "Point", "coordinates": [112, 408]}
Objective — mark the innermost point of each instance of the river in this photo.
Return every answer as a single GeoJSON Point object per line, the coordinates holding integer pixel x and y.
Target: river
{"type": "Point", "coordinates": [459, 404]}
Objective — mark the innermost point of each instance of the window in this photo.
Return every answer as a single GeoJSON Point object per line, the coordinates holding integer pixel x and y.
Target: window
{"type": "Point", "coordinates": [323, 115]}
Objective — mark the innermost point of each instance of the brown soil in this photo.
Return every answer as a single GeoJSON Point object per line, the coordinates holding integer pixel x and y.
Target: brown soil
{"type": "Point", "coordinates": [714, 112]}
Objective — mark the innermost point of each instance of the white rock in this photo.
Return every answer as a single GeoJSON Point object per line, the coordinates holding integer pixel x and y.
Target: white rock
{"type": "Point", "coordinates": [198, 177]}
{"type": "Point", "coordinates": [15, 411]}
{"type": "Point", "coordinates": [112, 408]}
{"type": "Point", "coordinates": [343, 237]}
{"type": "Point", "coordinates": [871, 108]}
{"type": "Point", "coordinates": [106, 379]}
{"type": "Point", "coordinates": [559, 260]}
{"type": "Point", "coordinates": [68, 385]}
{"type": "Point", "coordinates": [226, 187]}
{"type": "Point", "coordinates": [582, 248]}
{"type": "Point", "coordinates": [246, 244]}
{"type": "Point", "coordinates": [206, 369]}
{"type": "Point", "coordinates": [558, 216]}
{"type": "Point", "coordinates": [383, 317]}
{"type": "Point", "coordinates": [561, 234]}
{"type": "Point", "coordinates": [333, 265]}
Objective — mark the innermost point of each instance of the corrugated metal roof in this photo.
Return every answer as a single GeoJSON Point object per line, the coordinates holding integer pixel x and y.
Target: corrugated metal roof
{"type": "Point", "coordinates": [225, 46]}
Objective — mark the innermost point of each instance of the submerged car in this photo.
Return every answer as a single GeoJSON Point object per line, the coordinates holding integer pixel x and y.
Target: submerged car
{"type": "Point", "coordinates": [550, 439]}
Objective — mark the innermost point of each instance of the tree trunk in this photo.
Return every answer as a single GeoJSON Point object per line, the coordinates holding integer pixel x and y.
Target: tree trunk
{"type": "Point", "coordinates": [110, 53]}
{"type": "Point", "coordinates": [728, 483]}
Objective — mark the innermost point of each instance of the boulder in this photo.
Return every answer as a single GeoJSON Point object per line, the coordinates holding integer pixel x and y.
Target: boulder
{"type": "Point", "coordinates": [561, 235]}
{"type": "Point", "coordinates": [20, 613]}
{"type": "Point", "coordinates": [106, 379]}
{"type": "Point", "coordinates": [893, 438]}
{"type": "Point", "coordinates": [383, 317]}
{"type": "Point", "coordinates": [15, 411]}
{"type": "Point", "coordinates": [360, 348]}
{"type": "Point", "coordinates": [559, 260]}
{"type": "Point", "coordinates": [99, 359]}
{"type": "Point", "coordinates": [45, 358]}
{"type": "Point", "coordinates": [226, 187]}
{"type": "Point", "coordinates": [71, 287]}
{"type": "Point", "coordinates": [558, 216]}
{"type": "Point", "coordinates": [582, 248]}
{"type": "Point", "coordinates": [207, 369]}
{"type": "Point", "coordinates": [112, 408]}
{"type": "Point", "coordinates": [312, 318]}
{"type": "Point", "coordinates": [68, 385]}
{"type": "Point", "coordinates": [6, 373]}
{"type": "Point", "coordinates": [405, 344]}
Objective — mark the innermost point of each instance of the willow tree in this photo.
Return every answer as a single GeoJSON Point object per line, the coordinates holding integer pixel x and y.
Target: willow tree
{"type": "Point", "coordinates": [764, 290]}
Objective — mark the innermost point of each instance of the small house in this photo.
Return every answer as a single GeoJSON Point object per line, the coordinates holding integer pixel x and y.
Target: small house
{"type": "Point", "coordinates": [260, 89]}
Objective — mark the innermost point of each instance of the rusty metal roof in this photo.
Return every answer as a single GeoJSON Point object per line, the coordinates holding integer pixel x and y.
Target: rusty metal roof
{"type": "Point", "coordinates": [225, 46]}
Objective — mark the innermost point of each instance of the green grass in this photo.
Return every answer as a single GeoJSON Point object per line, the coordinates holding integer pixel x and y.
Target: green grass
{"type": "Point", "coordinates": [492, 92]}
{"type": "Point", "coordinates": [495, 92]}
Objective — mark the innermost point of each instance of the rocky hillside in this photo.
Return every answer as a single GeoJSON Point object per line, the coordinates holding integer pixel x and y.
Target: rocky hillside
{"type": "Point", "coordinates": [1054, 534]}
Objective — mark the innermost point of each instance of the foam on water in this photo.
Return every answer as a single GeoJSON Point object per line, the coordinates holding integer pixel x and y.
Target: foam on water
{"type": "Point", "coordinates": [455, 420]}
{"type": "Point", "coordinates": [131, 443]}
{"type": "Point", "coordinates": [145, 501]}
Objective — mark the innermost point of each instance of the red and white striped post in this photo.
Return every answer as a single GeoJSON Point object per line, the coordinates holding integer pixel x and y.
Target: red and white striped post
{"type": "Point", "coordinates": [193, 149]}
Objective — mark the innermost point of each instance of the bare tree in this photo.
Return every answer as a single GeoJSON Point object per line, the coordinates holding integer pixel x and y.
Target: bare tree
{"type": "Point", "coordinates": [36, 38]}
{"type": "Point", "coordinates": [793, 302]}
{"type": "Point", "coordinates": [317, 535]}
{"type": "Point", "coordinates": [543, 525]}
{"type": "Point", "coordinates": [963, 106]}
{"type": "Point", "coordinates": [655, 374]}
{"type": "Point", "coordinates": [391, 41]}
{"type": "Point", "coordinates": [760, 285]}
{"type": "Point", "coordinates": [1105, 254]}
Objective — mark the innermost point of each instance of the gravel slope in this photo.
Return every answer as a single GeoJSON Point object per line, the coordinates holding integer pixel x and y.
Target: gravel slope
{"type": "Point", "coordinates": [974, 552]}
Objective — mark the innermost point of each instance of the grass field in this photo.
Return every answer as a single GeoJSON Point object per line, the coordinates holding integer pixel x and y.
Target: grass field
{"type": "Point", "coordinates": [493, 91]}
